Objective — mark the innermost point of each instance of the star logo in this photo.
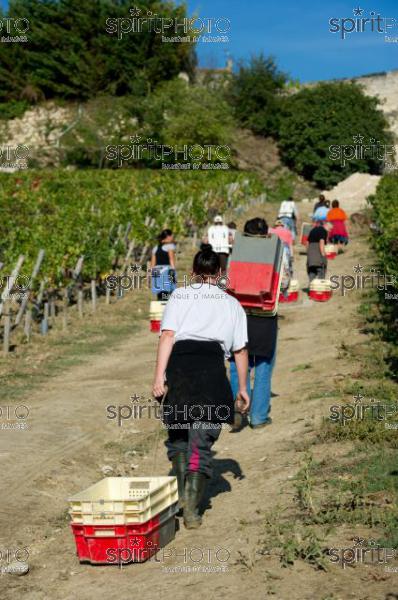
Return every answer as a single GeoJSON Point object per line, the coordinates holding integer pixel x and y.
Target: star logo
{"type": "Point", "coordinates": [358, 541]}
{"type": "Point", "coordinates": [135, 268]}
{"type": "Point", "coordinates": [358, 398]}
{"type": "Point", "coordinates": [135, 138]}
{"type": "Point", "coordinates": [358, 11]}
{"type": "Point", "coordinates": [358, 268]}
{"type": "Point", "coordinates": [358, 139]}
{"type": "Point", "coordinates": [135, 398]}
{"type": "Point", "coordinates": [135, 542]}
{"type": "Point", "coordinates": [135, 12]}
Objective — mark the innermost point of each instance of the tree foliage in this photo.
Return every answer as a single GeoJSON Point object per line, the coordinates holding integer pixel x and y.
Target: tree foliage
{"type": "Point", "coordinates": [320, 126]}
{"type": "Point", "coordinates": [254, 93]}
{"type": "Point", "coordinates": [73, 52]}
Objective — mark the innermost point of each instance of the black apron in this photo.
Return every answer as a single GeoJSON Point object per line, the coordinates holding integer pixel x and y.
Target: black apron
{"type": "Point", "coordinates": [198, 386]}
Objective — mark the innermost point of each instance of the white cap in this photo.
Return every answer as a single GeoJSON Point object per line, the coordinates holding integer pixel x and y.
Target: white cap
{"type": "Point", "coordinates": [218, 219]}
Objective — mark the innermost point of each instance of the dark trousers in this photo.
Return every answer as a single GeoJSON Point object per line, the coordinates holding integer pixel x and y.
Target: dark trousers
{"type": "Point", "coordinates": [196, 443]}
{"type": "Point", "coordinates": [316, 272]}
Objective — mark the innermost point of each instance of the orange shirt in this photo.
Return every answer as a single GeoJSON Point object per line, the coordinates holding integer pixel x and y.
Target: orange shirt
{"type": "Point", "coordinates": [336, 214]}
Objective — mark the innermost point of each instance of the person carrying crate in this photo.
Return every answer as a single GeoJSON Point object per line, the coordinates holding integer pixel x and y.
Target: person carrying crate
{"type": "Point", "coordinates": [262, 336]}
{"type": "Point", "coordinates": [202, 326]}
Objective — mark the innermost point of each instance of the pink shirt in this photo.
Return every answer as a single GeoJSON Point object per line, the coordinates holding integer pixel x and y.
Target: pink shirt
{"type": "Point", "coordinates": [284, 234]}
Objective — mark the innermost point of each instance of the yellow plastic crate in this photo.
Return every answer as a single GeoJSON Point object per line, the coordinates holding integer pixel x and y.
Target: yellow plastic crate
{"type": "Point", "coordinates": [123, 500]}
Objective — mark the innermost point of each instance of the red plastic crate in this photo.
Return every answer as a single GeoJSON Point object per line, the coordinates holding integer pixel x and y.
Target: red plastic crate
{"type": "Point", "coordinates": [320, 296]}
{"type": "Point", "coordinates": [258, 284]}
{"type": "Point", "coordinates": [291, 297]}
{"type": "Point", "coordinates": [250, 278]}
{"type": "Point", "coordinates": [304, 239]}
{"type": "Point", "coordinates": [123, 544]}
{"type": "Point", "coordinates": [155, 326]}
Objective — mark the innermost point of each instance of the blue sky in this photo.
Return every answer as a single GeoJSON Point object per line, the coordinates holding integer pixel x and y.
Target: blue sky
{"type": "Point", "coordinates": [296, 33]}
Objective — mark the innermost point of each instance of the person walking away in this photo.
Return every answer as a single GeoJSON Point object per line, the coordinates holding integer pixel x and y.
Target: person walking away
{"type": "Point", "coordinates": [321, 202]}
{"type": "Point", "coordinates": [218, 238]}
{"type": "Point", "coordinates": [316, 256]}
{"type": "Point", "coordinates": [285, 235]}
{"type": "Point", "coordinates": [289, 215]}
{"type": "Point", "coordinates": [201, 327]}
{"type": "Point", "coordinates": [321, 211]}
{"type": "Point", "coordinates": [231, 234]}
{"type": "Point", "coordinates": [262, 336]}
{"type": "Point", "coordinates": [163, 265]}
{"type": "Point", "coordinates": [338, 234]}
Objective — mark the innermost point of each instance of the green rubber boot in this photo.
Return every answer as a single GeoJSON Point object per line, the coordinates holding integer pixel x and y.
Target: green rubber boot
{"type": "Point", "coordinates": [179, 463]}
{"type": "Point", "coordinates": [195, 484]}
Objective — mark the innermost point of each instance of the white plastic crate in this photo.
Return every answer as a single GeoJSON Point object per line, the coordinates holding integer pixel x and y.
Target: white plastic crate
{"type": "Point", "coordinates": [156, 310]}
{"type": "Point", "coordinates": [330, 249]}
{"type": "Point", "coordinates": [123, 500]}
{"type": "Point", "coordinates": [320, 285]}
{"type": "Point", "coordinates": [294, 286]}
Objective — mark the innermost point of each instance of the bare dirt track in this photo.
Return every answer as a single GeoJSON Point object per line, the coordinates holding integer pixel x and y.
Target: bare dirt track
{"type": "Point", "coordinates": [69, 440]}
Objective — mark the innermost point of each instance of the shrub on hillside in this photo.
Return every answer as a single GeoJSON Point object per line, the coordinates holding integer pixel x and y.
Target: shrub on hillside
{"type": "Point", "coordinates": [326, 133]}
{"type": "Point", "coordinates": [189, 118]}
{"type": "Point", "coordinates": [385, 242]}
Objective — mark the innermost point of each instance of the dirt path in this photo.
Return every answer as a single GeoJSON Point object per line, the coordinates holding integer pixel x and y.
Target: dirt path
{"type": "Point", "coordinates": [69, 439]}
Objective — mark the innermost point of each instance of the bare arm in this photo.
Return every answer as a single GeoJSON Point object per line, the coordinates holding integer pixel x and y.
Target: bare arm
{"type": "Point", "coordinates": [322, 247]}
{"type": "Point", "coordinates": [153, 261]}
{"type": "Point", "coordinates": [242, 365]}
{"type": "Point", "coordinates": [172, 259]}
{"type": "Point", "coordinates": [165, 347]}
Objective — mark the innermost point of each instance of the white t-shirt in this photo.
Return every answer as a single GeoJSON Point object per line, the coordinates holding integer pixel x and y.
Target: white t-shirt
{"type": "Point", "coordinates": [165, 248]}
{"type": "Point", "coordinates": [288, 209]}
{"type": "Point", "coordinates": [206, 313]}
{"type": "Point", "coordinates": [218, 236]}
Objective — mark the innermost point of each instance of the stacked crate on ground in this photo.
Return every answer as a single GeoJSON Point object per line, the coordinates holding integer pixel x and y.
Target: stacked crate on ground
{"type": "Point", "coordinates": [292, 292]}
{"type": "Point", "coordinates": [255, 273]}
{"type": "Point", "coordinates": [330, 251]}
{"type": "Point", "coordinates": [320, 290]}
{"type": "Point", "coordinates": [124, 519]}
{"type": "Point", "coordinates": [156, 310]}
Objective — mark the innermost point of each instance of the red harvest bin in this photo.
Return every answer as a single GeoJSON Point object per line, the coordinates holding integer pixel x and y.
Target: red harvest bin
{"type": "Point", "coordinates": [122, 544]}
{"type": "Point", "coordinates": [251, 277]}
{"type": "Point", "coordinates": [291, 297]}
{"type": "Point", "coordinates": [320, 296]}
{"type": "Point", "coordinates": [155, 326]}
